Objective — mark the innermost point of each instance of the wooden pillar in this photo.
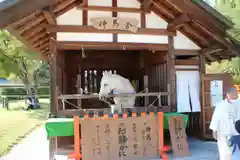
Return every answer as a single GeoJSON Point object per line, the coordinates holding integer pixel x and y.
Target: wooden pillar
{"type": "Point", "coordinates": [202, 71]}
{"type": "Point", "coordinates": [171, 75]}
{"type": "Point", "coordinates": [53, 73]}
{"type": "Point", "coordinates": [54, 91]}
{"type": "Point", "coordinates": [202, 68]}
{"type": "Point", "coordinates": [114, 14]}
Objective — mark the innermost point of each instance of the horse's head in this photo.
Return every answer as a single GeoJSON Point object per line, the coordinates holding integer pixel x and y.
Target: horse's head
{"type": "Point", "coordinates": [114, 83]}
{"type": "Point", "coordinates": [106, 84]}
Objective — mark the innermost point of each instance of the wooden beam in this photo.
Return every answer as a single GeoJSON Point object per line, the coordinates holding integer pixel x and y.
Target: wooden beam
{"type": "Point", "coordinates": [90, 29]}
{"type": "Point", "coordinates": [210, 50]}
{"type": "Point", "coordinates": [111, 46]}
{"type": "Point", "coordinates": [211, 58]}
{"type": "Point", "coordinates": [180, 20]}
{"type": "Point", "coordinates": [199, 14]}
{"type": "Point", "coordinates": [219, 39]}
{"type": "Point", "coordinates": [49, 15]}
{"type": "Point", "coordinates": [40, 42]}
{"type": "Point", "coordinates": [146, 5]}
{"type": "Point", "coordinates": [195, 33]}
{"type": "Point", "coordinates": [43, 46]}
{"type": "Point", "coordinates": [207, 52]}
{"type": "Point", "coordinates": [111, 9]}
{"type": "Point", "coordinates": [20, 10]}
{"type": "Point", "coordinates": [31, 24]}
{"type": "Point", "coordinates": [31, 32]}
{"type": "Point", "coordinates": [159, 6]}
{"type": "Point", "coordinates": [37, 37]}
{"type": "Point", "coordinates": [187, 62]}
{"type": "Point", "coordinates": [60, 6]}
{"type": "Point", "coordinates": [66, 8]}
{"type": "Point", "coordinates": [26, 19]}
{"type": "Point", "coordinates": [45, 50]}
{"type": "Point", "coordinates": [185, 52]}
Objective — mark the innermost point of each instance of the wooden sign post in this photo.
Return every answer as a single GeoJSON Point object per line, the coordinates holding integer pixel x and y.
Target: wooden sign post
{"type": "Point", "coordinates": [115, 23]}
{"type": "Point", "coordinates": [178, 136]}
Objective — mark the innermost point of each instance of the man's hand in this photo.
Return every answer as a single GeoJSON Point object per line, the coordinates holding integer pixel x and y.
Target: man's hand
{"type": "Point", "coordinates": [215, 135]}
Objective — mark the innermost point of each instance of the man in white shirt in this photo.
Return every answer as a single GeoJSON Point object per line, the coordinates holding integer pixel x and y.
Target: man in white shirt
{"type": "Point", "coordinates": [223, 121]}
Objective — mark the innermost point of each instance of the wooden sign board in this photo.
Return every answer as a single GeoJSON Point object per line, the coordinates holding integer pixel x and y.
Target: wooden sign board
{"type": "Point", "coordinates": [178, 136]}
{"type": "Point", "coordinates": [115, 23]}
{"type": "Point", "coordinates": [128, 138]}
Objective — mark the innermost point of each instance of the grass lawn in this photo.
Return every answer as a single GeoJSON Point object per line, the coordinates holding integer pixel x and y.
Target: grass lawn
{"type": "Point", "coordinates": [15, 124]}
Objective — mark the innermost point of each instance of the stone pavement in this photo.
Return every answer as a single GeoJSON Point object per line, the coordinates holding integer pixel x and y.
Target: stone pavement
{"type": "Point", "coordinates": [35, 147]}
{"type": "Point", "coordinates": [200, 151]}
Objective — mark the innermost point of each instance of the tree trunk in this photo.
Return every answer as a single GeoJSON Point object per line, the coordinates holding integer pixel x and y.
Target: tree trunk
{"type": "Point", "coordinates": [32, 94]}
{"type": "Point", "coordinates": [35, 92]}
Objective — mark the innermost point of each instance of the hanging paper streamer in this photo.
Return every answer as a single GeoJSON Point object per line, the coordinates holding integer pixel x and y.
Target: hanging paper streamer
{"type": "Point", "coordinates": [216, 91]}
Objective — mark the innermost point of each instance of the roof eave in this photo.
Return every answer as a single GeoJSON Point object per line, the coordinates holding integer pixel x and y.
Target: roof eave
{"type": "Point", "coordinates": [227, 24]}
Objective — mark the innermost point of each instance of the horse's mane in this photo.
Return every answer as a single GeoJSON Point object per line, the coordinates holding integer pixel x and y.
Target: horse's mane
{"type": "Point", "coordinates": [110, 74]}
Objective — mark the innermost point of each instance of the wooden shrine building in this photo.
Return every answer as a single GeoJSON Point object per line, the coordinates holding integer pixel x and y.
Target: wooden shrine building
{"type": "Point", "coordinates": [146, 41]}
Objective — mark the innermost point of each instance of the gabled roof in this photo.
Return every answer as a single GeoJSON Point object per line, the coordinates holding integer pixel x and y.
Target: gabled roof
{"type": "Point", "coordinates": [194, 18]}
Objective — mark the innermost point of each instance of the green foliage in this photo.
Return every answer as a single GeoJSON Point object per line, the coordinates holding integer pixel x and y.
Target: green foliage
{"type": "Point", "coordinates": [231, 10]}
{"type": "Point", "coordinates": [16, 61]}
{"type": "Point", "coordinates": [41, 74]}
{"type": "Point", "coordinates": [232, 67]}
{"type": "Point", "coordinates": [12, 53]}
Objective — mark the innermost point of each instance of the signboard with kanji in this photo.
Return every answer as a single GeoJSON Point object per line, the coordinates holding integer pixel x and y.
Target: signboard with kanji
{"type": "Point", "coordinates": [178, 136]}
{"type": "Point", "coordinates": [128, 138]}
{"type": "Point", "coordinates": [115, 23]}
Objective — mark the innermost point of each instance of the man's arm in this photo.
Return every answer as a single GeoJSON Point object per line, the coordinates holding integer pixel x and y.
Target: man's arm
{"type": "Point", "coordinates": [215, 122]}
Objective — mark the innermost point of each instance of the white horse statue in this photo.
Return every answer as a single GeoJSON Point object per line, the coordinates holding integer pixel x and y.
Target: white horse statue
{"type": "Point", "coordinates": [116, 84]}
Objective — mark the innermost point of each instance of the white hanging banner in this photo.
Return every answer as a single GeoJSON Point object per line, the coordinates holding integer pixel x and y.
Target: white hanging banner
{"type": "Point", "coordinates": [216, 91]}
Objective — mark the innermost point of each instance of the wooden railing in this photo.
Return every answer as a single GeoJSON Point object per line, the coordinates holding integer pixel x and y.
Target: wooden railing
{"type": "Point", "coordinates": [148, 107]}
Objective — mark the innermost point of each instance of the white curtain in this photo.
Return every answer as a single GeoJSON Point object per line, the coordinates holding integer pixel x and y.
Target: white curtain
{"type": "Point", "coordinates": [194, 89]}
{"type": "Point", "coordinates": [188, 89]}
{"type": "Point", "coordinates": [183, 100]}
